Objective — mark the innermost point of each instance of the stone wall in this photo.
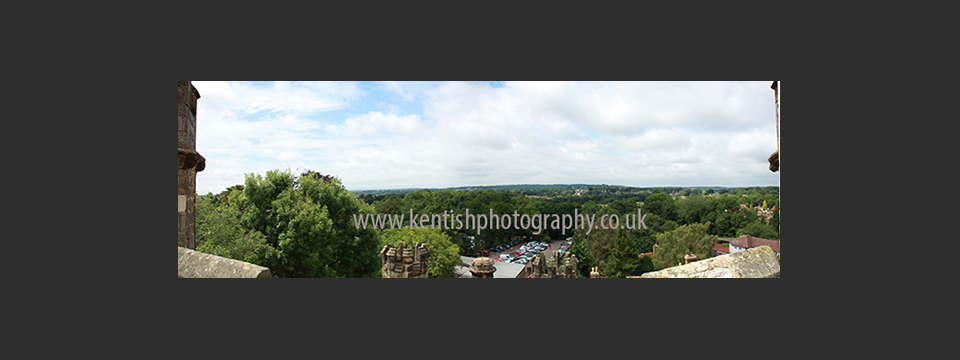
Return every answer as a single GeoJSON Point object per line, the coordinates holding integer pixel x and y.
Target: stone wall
{"type": "Point", "coordinates": [189, 162]}
{"type": "Point", "coordinates": [195, 264]}
{"type": "Point", "coordinates": [758, 262]}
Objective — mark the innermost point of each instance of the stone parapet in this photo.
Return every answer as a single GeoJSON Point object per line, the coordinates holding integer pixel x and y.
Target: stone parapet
{"type": "Point", "coordinates": [758, 262]}
{"type": "Point", "coordinates": [195, 264]}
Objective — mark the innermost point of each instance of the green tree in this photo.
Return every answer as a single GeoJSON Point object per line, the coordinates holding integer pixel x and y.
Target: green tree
{"type": "Point", "coordinates": [219, 232]}
{"type": "Point", "coordinates": [661, 205]}
{"type": "Point", "coordinates": [444, 255]}
{"type": "Point", "coordinates": [624, 256]}
{"type": "Point", "coordinates": [622, 207]}
{"type": "Point", "coordinates": [589, 207]}
{"type": "Point", "coordinates": [694, 209]}
{"type": "Point", "coordinates": [674, 245]}
{"type": "Point", "coordinates": [645, 265]}
{"type": "Point", "coordinates": [775, 221]}
{"type": "Point", "coordinates": [595, 246]}
{"type": "Point", "coordinates": [730, 221]}
{"type": "Point", "coordinates": [760, 230]}
{"type": "Point", "coordinates": [392, 204]}
{"type": "Point", "coordinates": [310, 223]}
{"type": "Point", "coordinates": [585, 260]}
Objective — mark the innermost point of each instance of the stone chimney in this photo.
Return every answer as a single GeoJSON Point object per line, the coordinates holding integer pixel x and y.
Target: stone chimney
{"type": "Point", "coordinates": [482, 268]}
{"type": "Point", "coordinates": [189, 162]}
{"type": "Point", "coordinates": [689, 258]}
{"type": "Point", "coordinates": [404, 262]}
{"type": "Point", "coordinates": [568, 268]}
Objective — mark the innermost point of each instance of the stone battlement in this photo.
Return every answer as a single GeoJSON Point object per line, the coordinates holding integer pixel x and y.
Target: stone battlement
{"type": "Point", "coordinates": [565, 268]}
{"type": "Point", "coordinates": [404, 262]}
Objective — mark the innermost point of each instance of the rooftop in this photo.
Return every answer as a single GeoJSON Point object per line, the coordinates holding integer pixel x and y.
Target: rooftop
{"type": "Point", "coordinates": [748, 241]}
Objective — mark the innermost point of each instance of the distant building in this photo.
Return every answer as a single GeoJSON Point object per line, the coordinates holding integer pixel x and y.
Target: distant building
{"type": "Point", "coordinates": [746, 242]}
{"type": "Point", "coordinates": [718, 250]}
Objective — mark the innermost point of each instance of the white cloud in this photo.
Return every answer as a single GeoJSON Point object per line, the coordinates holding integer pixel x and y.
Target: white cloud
{"type": "Point", "coordinates": [398, 89]}
{"type": "Point", "coordinates": [643, 134]}
{"type": "Point", "coordinates": [377, 122]}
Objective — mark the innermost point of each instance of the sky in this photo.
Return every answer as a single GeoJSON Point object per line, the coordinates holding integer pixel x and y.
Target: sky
{"type": "Point", "coordinates": [396, 135]}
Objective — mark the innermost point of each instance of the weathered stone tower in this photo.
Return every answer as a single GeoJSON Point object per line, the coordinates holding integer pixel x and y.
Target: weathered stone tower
{"type": "Point", "coordinates": [189, 162]}
{"type": "Point", "coordinates": [566, 267]}
{"type": "Point", "coordinates": [403, 261]}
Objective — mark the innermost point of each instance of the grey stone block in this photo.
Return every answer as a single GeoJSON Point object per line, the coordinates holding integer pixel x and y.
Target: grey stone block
{"type": "Point", "coordinates": [195, 264]}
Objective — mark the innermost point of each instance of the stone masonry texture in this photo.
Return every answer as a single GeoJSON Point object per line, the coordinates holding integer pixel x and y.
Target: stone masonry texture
{"type": "Point", "coordinates": [195, 264]}
{"type": "Point", "coordinates": [758, 262]}
{"type": "Point", "coordinates": [188, 162]}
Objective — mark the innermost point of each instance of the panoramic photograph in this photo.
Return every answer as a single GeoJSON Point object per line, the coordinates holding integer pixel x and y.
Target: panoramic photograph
{"type": "Point", "coordinates": [478, 179]}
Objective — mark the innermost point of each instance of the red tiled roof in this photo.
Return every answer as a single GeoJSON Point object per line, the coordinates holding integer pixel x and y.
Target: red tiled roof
{"type": "Point", "coordinates": [650, 254]}
{"type": "Point", "coordinates": [747, 241]}
{"type": "Point", "coordinates": [721, 248]}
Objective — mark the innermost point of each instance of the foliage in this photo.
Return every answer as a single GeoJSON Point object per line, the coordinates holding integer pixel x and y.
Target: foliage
{"type": "Point", "coordinates": [311, 226]}
{"type": "Point", "coordinates": [695, 209]}
{"type": "Point", "coordinates": [729, 222]}
{"type": "Point", "coordinates": [585, 261]}
{"type": "Point", "coordinates": [661, 205]}
{"type": "Point", "coordinates": [645, 265]}
{"type": "Point", "coordinates": [624, 256]}
{"type": "Point", "coordinates": [444, 255]}
{"type": "Point", "coordinates": [219, 232]}
{"type": "Point", "coordinates": [760, 230]}
{"type": "Point", "coordinates": [775, 221]}
{"type": "Point", "coordinates": [301, 227]}
{"type": "Point", "coordinates": [596, 245]}
{"type": "Point", "coordinates": [674, 245]}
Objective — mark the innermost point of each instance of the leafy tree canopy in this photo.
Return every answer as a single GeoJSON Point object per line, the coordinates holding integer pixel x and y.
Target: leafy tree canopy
{"type": "Point", "coordinates": [686, 239]}
{"type": "Point", "coordinates": [310, 223]}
